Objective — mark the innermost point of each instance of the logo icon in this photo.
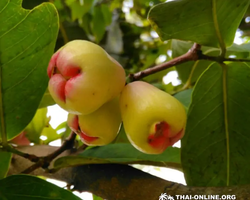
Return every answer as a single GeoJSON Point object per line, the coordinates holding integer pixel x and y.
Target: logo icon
{"type": "Point", "coordinates": [164, 196]}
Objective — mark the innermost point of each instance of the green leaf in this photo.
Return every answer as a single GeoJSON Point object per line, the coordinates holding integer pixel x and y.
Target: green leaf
{"type": "Point", "coordinates": [98, 24]}
{"type": "Point", "coordinates": [5, 158]}
{"type": "Point", "coordinates": [121, 137]}
{"type": "Point", "coordinates": [79, 10]}
{"type": "Point", "coordinates": [51, 134]}
{"type": "Point", "coordinates": [25, 187]}
{"type": "Point", "coordinates": [215, 149]}
{"type": "Point", "coordinates": [47, 100]}
{"type": "Point", "coordinates": [96, 197]}
{"type": "Point", "coordinates": [107, 14]}
{"type": "Point", "coordinates": [184, 97]}
{"type": "Point", "coordinates": [27, 41]}
{"type": "Point", "coordinates": [63, 130]}
{"type": "Point", "coordinates": [36, 126]}
{"type": "Point", "coordinates": [208, 22]}
{"type": "Point", "coordinates": [85, 23]}
{"type": "Point", "coordinates": [122, 153]}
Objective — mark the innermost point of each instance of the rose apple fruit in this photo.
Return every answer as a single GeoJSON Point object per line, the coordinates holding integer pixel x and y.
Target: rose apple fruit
{"type": "Point", "coordinates": [100, 127]}
{"type": "Point", "coordinates": [21, 139]}
{"type": "Point", "coordinates": [152, 119]}
{"type": "Point", "coordinates": [83, 77]}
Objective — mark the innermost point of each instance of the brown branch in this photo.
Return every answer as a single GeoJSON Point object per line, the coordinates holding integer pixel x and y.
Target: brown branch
{"type": "Point", "coordinates": [114, 181]}
{"type": "Point", "coordinates": [45, 161]}
{"type": "Point", "coordinates": [11, 149]}
{"type": "Point", "coordinates": [192, 54]}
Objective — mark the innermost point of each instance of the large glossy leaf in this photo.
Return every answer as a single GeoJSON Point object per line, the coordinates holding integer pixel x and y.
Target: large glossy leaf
{"type": "Point", "coordinates": [24, 187]}
{"type": "Point", "coordinates": [27, 40]}
{"type": "Point", "coordinates": [5, 158]}
{"type": "Point", "coordinates": [122, 153]}
{"type": "Point", "coordinates": [215, 149]}
{"type": "Point", "coordinates": [207, 22]}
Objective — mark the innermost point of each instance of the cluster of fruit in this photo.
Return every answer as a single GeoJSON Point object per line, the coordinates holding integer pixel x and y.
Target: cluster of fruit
{"type": "Point", "coordinates": [90, 85]}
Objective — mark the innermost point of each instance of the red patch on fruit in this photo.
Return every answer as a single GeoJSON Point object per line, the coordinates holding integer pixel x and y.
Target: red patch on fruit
{"type": "Point", "coordinates": [58, 82]}
{"type": "Point", "coordinates": [70, 71]}
{"type": "Point", "coordinates": [86, 138]}
{"type": "Point", "coordinates": [160, 139]}
{"type": "Point", "coordinates": [21, 139]}
{"type": "Point", "coordinates": [73, 124]}
{"type": "Point", "coordinates": [177, 137]}
{"type": "Point", "coordinates": [71, 84]}
{"type": "Point", "coordinates": [52, 65]}
{"type": "Point", "coordinates": [60, 72]}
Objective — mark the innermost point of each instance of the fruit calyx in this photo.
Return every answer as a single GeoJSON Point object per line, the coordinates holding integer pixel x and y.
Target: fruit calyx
{"type": "Point", "coordinates": [161, 138]}
{"type": "Point", "coordinates": [63, 77]}
{"type": "Point", "coordinates": [76, 128]}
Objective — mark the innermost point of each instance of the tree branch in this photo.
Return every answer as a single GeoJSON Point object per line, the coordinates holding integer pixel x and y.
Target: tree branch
{"type": "Point", "coordinates": [45, 161]}
{"type": "Point", "coordinates": [193, 54]}
{"type": "Point", "coordinates": [11, 149]}
{"type": "Point", "coordinates": [115, 181]}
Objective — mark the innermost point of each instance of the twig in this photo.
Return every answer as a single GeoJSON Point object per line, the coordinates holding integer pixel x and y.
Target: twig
{"type": "Point", "coordinates": [192, 54]}
{"type": "Point", "coordinates": [44, 162]}
{"type": "Point", "coordinates": [31, 157]}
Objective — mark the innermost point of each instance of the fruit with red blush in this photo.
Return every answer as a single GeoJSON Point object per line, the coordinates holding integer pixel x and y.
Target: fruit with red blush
{"type": "Point", "coordinates": [83, 77]}
{"type": "Point", "coordinates": [153, 120]}
{"type": "Point", "coordinates": [100, 127]}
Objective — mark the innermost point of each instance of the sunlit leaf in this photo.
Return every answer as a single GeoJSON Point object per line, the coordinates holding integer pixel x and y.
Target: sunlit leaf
{"type": "Point", "coordinates": [35, 128]}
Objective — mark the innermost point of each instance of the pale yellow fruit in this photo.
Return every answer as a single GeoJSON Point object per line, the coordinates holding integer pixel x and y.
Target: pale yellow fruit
{"type": "Point", "coordinates": [83, 77]}
{"type": "Point", "coordinates": [153, 119]}
{"type": "Point", "coordinates": [100, 127]}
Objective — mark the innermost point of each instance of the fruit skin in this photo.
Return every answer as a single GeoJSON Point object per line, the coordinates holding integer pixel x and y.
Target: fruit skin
{"type": "Point", "coordinates": [152, 119]}
{"type": "Point", "coordinates": [83, 77]}
{"type": "Point", "coordinates": [100, 127]}
{"type": "Point", "coordinates": [21, 139]}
